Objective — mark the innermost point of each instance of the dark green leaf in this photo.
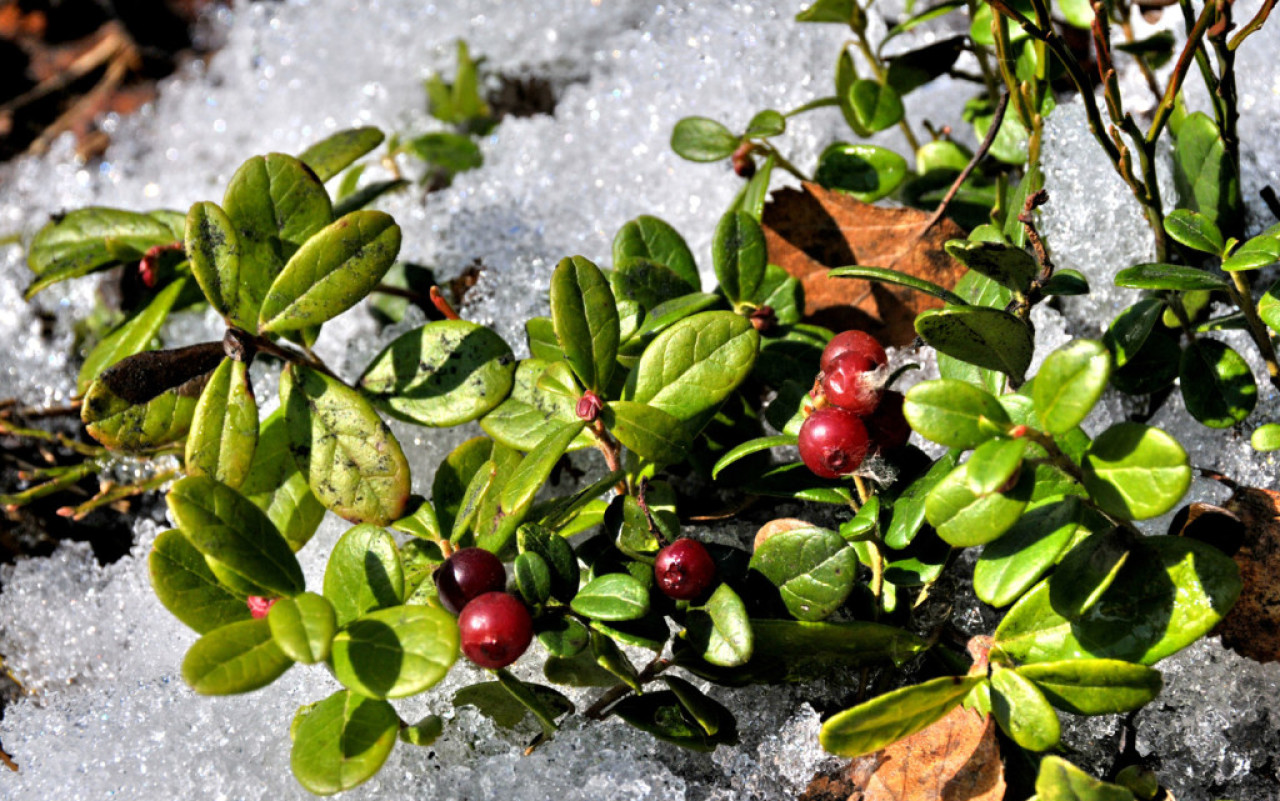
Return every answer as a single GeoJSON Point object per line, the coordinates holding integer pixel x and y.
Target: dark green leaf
{"type": "Point", "coordinates": [450, 152]}
{"type": "Point", "coordinates": [1217, 384]}
{"type": "Point", "coordinates": [90, 239]}
{"type": "Point", "coordinates": [1261, 251]}
{"type": "Point", "coordinates": [1135, 471]}
{"type": "Point", "coordinates": [1095, 686]}
{"type": "Point", "coordinates": [1009, 566]}
{"type": "Point", "coordinates": [563, 636]}
{"type": "Point", "coordinates": [1130, 329]}
{"type": "Point", "coordinates": [613, 596]}
{"type": "Point", "coordinates": [874, 106]}
{"type": "Point", "coordinates": [647, 282]}
{"type": "Point", "coordinates": [1154, 367]}
{"type": "Point", "coordinates": [365, 195]}
{"type": "Point", "coordinates": [396, 652]}
{"type": "Point", "coordinates": [749, 447]}
{"type": "Point", "coordinates": [188, 588]}
{"type": "Point", "coordinates": [702, 139]}
{"type": "Point", "coordinates": [1168, 276]}
{"type": "Point", "coordinates": [990, 338]}
{"type": "Point", "coordinates": [556, 553]}
{"type": "Point", "coordinates": [841, 11]}
{"type": "Point", "coordinates": [132, 336]}
{"type": "Point", "coordinates": [364, 573]}
{"type": "Point", "coordinates": [663, 715]}
{"type": "Point", "coordinates": [799, 483]}
{"type": "Point", "coordinates": [907, 509]}
{"type": "Point", "coordinates": [214, 250]}
{"type": "Point", "coordinates": [738, 255]}
{"type": "Point", "coordinates": [653, 240]}
{"type": "Point", "coordinates": [1066, 282]}
{"type": "Point", "coordinates": [782, 293]}
{"type": "Point", "coordinates": [867, 172]}
{"type": "Point", "coordinates": [660, 318]}
{"type": "Point", "coordinates": [586, 321]}
{"type": "Point", "coordinates": [813, 568]}
{"type": "Point", "coordinates": [276, 486]}
{"type": "Point", "coordinates": [884, 720]}
{"type": "Point", "coordinates": [1203, 171]}
{"type": "Point", "coordinates": [928, 15]}
{"type": "Point", "coordinates": [342, 742]}
{"type": "Point", "coordinates": [720, 630]}
{"type": "Point", "coordinates": [1194, 230]}
{"type": "Point", "coordinates": [908, 71]}
{"type": "Point", "coordinates": [336, 152]}
{"type": "Point", "coordinates": [224, 426]}
{"type": "Point", "coordinates": [953, 413]}
{"type": "Point", "coordinates": [1086, 571]}
{"type": "Point", "coordinates": [235, 658]}
{"type": "Point", "coordinates": [424, 732]}
{"type": "Point", "coordinates": [1008, 266]}
{"type": "Point", "coordinates": [895, 277]}
{"type": "Point", "coordinates": [532, 578]}
{"type": "Point", "coordinates": [1059, 780]}
{"type": "Point", "coordinates": [1023, 711]}
{"type": "Point", "coordinates": [303, 627]}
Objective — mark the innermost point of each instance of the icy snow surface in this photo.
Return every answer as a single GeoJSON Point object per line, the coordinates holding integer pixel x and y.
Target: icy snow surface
{"type": "Point", "coordinates": [109, 715]}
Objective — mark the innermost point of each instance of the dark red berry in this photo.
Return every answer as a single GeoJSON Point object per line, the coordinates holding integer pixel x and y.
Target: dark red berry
{"type": "Point", "coordinates": [887, 426]}
{"type": "Point", "coordinates": [684, 569]}
{"type": "Point", "coordinates": [589, 406]}
{"type": "Point", "coordinates": [259, 606]}
{"type": "Point", "coordinates": [853, 341]}
{"type": "Point", "coordinates": [743, 164]}
{"type": "Point", "coordinates": [468, 574]}
{"type": "Point", "coordinates": [851, 382]}
{"type": "Point", "coordinates": [833, 442]}
{"type": "Point", "coordinates": [495, 629]}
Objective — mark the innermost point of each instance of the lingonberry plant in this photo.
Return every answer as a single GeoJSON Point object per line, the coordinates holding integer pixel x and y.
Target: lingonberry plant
{"type": "Point", "coordinates": [672, 384]}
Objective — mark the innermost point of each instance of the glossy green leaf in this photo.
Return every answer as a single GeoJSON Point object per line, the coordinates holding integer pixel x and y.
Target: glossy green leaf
{"type": "Point", "coordinates": [529, 413]}
{"type": "Point", "coordinates": [352, 462]}
{"type": "Point", "coordinates": [585, 318]}
{"type": "Point", "coordinates": [336, 152]}
{"type": "Point", "coordinates": [613, 596]}
{"type": "Point", "coordinates": [1194, 230]}
{"type": "Point", "coordinates": [841, 11]}
{"type": "Point", "coordinates": [224, 426]}
{"type": "Point", "coordinates": [147, 400]}
{"type": "Point", "coordinates": [1070, 383]}
{"type": "Point", "coordinates": [1129, 331]}
{"type": "Point", "coordinates": [342, 742]}
{"type": "Point", "coordinates": [1254, 254]}
{"type": "Point", "coordinates": [911, 69]}
{"type": "Point", "coordinates": [767, 123]}
{"type": "Point", "coordinates": [797, 482]}
{"type": "Point", "coordinates": [738, 255]}
{"type": "Point", "coordinates": [1168, 276]}
{"type": "Point", "coordinates": [214, 250]}
{"type": "Point", "coordinates": [755, 192]}
{"type": "Point", "coordinates": [813, 568]}
{"type": "Point", "coordinates": [1095, 686]}
{"type": "Point", "coordinates": [663, 316]}
{"type": "Point", "coordinates": [656, 241]}
{"type": "Point", "coordinates": [90, 239]}
{"type": "Point", "coordinates": [1269, 307]}
{"type": "Point", "coordinates": [303, 627]}
{"type": "Point", "coordinates": [364, 573]}
{"type": "Point", "coordinates": [235, 658]}
{"type": "Point", "coordinates": [1203, 171]}
{"type": "Point", "coordinates": [1009, 566]}
{"type": "Point", "coordinates": [331, 272]}
{"type": "Point", "coordinates": [396, 652]}
{"type": "Point", "coordinates": [895, 277]}
{"type": "Point", "coordinates": [990, 338]}
{"type": "Point", "coordinates": [651, 433]}
{"type": "Point", "coordinates": [241, 546]}
{"type": "Point", "coordinates": [423, 733]}
{"type": "Point", "coordinates": [1066, 282]}
{"type": "Point", "coordinates": [663, 715]}
{"type": "Point", "coordinates": [702, 139]}
{"type": "Point", "coordinates": [720, 629]}
{"type": "Point", "coordinates": [867, 172]}
{"type": "Point", "coordinates": [532, 578]}
{"type": "Point", "coordinates": [1023, 712]}
{"type": "Point", "coordinates": [556, 553]}
{"type": "Point", "coordinates": [907, 509]}
{"type": "Point", "coordinates": [132, 336]}
{"type": "Point", "coordinates": [187, 587]}
{"type": "Point", "coordinates": [694, 365]}
{"type": "Point", "coordinates": [441, 374]}
{"type": "Point", "coordinates": [884, 720]}
{"type": "Point", "coordinates": [953, 413]}
{"type": "Point", "coordinates": [275, 204]}
{"type": "Point", "coordinates": [532, 472]}
{"type": "Point", "coordinates": [1153, 367]}
{"type": "Point", "coordinates": [421, 522]}
{"type": "Point", "coordinates": [749, 447]}
{"type": "Point", "coordinates": [1007, 265]}
{"type": "Point", "coordinates": [276, 486]}
{"type": "Point", "coordinates": [1135, 471]}
{"type": "Point", "coordinates": [1266, 438]}
{"type": "Point", "coordinates": [993, 464]}
{"type": "Point", "coordinates": [874, 106]}
{"type": "Point", "coordinates": [647, 283]}
{"type": "Point", "coordinates": [963, 518]}
{"type": "Point", "coordinates": [563, 637]}
{"type": "Point", "coordinates": [1217, 384]}
{"type": "Point", "coordinates": [1059, 780]}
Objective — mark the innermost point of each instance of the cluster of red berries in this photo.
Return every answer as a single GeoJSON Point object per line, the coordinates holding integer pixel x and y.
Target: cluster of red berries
{"type": "Point", "coordinates": [494, 626]}
{"type": "Point", "coordinates": [853, 414]}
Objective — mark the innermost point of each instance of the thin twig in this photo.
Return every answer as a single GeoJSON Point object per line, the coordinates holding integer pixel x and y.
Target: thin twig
{"type": "Point", "coordinates": [1171, 89]}
{"type": "Point", "coordinates": [1273, 203]}
{"type": "Point", "coordinates": [987, 141]}
{"type": "Point", "coordinates": [1253, 24]}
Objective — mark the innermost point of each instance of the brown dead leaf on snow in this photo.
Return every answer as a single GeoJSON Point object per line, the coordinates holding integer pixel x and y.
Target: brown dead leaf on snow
{"type": "Point", "coordinates": [1252, 628]}
{"type": "Point", "coordinates": [955, 759]}
{"type": "Point", "coordinates": [811, 231]}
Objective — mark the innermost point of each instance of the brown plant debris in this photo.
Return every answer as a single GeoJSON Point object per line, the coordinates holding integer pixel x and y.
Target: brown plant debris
{"type": "Point", "coordinates": [955, 759]}
{"type": "Point", "coordinates": [811, 231]}
{"type": "Point", "coordinates": [1252, 628]}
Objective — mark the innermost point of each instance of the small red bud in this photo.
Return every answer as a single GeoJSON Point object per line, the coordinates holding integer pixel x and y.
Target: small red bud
{"type": "Point", "coordinates": [1017, 432]}
{"type": "Point", "coordinates": [259, 606]}
{"type": "Point", "coordinates": [589, 406]}
{"type": "Point", "coordinates": [147, 269]}
{"type": "Point", "coordinates": [763, 319]}
{"type": "Point", "coordinates": [743, 164]}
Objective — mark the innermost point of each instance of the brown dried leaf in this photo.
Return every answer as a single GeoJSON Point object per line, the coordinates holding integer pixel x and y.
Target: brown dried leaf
{"type": "Point", "coordinates": [955, 759]}
{"type": "Point", "coordinates": [809, 232]}
{"type": "Point", "coordinates": [1252, 628]}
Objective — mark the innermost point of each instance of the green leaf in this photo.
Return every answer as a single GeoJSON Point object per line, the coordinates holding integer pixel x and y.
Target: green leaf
{"type": "Point", "coordinates": [841, 11]}
{"type": "Point", "coordinates": [276, 486]}
{"type": "Point", "coordinates": [1203, 171]}
{"type": "Point", "coordinates": [556, 553]}
{"type": "Point", "coordinates": [660, 318]}
{"type": "Point", "coordinates": [874, 106]}
{"type": "Point", "coordinates": [1009, 566]}
{"type": "Point", "coordinates": [1194, 230]}
{"type": "Point", "coordinates": [529, 414]}
{"type": "Point", "coordinates": [235, 658]}
{"type": "Point", "coordinates": [352, 461]}
{"type": "Point", "coordinates": [424, 732]}
{"type": "Point", "coordinates": [914, 21]}
{"type": "Point", "coordinates": [749, 447]}
{"type": "Point", "coordinates": [692, 366]}
{"type": "Point", "coordinates": [907, 510]}
{"type": "Point", "coordinates": [1008, 266]}
{"type": "Point", "coordinates": [90, 239]}
{"type": "Point", "coordinates": [533, 471]}
{"type": "Point", "coordinates": [214, 250]}
{"type": "Point", "coordinates": [1135, 471]}
{"type": "Point", "coordinates": [441, 374]}
{"type": "Point", "coordinates": [1254, 254]}
{"type": "Point", "coordinates": [240, 545]}
{"type": "Point", "coordinates": [563, 637]}
{"type": "Point", "coordinates": [720, 630]}
{"type": "Point", "coordinates": [953, 413]}
{"type": "Point", "coordinates": [1059, 780]}
{"type": "Point", "coordinates": [663, 715]}
{"type": "Point", "coordinates": [990, 338]}
{"type": "Point", "coordinates": [813, 568]}
{"type": "Point", "coordinates": [1066, 282]}
{"type": "Point", "coordinates": [342, 742]}
{"type": "Point", "coordinates": [1023, 711]}
{"type": "Point", "coordinates": [651, 433]}
{"type": "Point", "coordinates": [647, 282]}
{"type": "Point", "coordinates": [767, 123]}
{"type": "Point", "coordinates": [507, 702]}
{"type": "Point", "coordinates": [755, 192]}
{"type": "Point", "coordinates": [396, 652]}
{"type": "Point", "coordinates": [993, 464]}
{"type": "Point", "coordinates": [275, 204]}
{"type": "Point", "coordinates": [738, 255]}
{"type": "Point", "coordinates": [1217, 384]}
{"type": "Point", "coordinates": [884, 720]}
{"type": "Point", "coordinates": [132, 336]}
{"type": "Point", "coordinates": [909, 70]}
{"type": "Point", "coordinates": [336, 152]}
{"type": "Point", "coordinates": [187, 587]}
{"type": "Point", "coordinates": [1269, 307]}
{"type": "Point", "coordinates": [613, 596]}
{"type": "Point", "coordinates": [1070, 383]}
{"type": "Point", "coordinates": [224, 426]}
{"type": "Point", "coordinates": [702, 139]}
{"type": "Point", "coordinates": [895, 277]}
{"type": "Point", "coordinates": [1168, 276]}
{"type": "Point", "coordinates": [964, 518]}
{"type": "Point", "coordinates": [654, 240]}
{"type": "Point", "coordinates": [1266, 438]}
{"type": "Point", "coordinates": [798, 482]}
{"type": "Point", "coordinates": [303, 627]}
{"type": "Point", "coordinates": [364, 573]}
{"type": "Point", "coordinates": [585, 317]}
{"type": "Point", "coordinates": [867, 172]}
{"type": "Point", "coordinates": [331, 272]}
{"type": "Point", "coordinates": [1095, 686]}
{"type": "Point", "coordinates": [532, 578]}
{"type": "Point", "coordinates": [421, 522]}
{"type": "Point", "coordinates": [1129, 331]}
{"type": "Point", "coordinates": [147, 400]}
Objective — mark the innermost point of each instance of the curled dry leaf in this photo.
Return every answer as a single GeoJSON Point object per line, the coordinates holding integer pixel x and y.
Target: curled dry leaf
{"type": "Point", "coordinates": [1252, 628]}
{"type": "Point", "coordinates": [955, 759]}
{"type": "Point", "coordinates": [811, 231]}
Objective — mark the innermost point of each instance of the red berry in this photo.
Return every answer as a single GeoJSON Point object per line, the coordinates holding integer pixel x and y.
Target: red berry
{"type": "Point", "coordinates": [589, 406]}
{"type": "Point", "coordinates": [495, 629]}
{"type": "Point", "coordinates": [850, 382]}
{"type": "Point", "coordinates": [684, 569]}
{"type": "Point", "coordinates": [886, 425]}
{"type": "Point", "coordinates": [468, 574]}
{"type": "Point", "coordinates": [259, 606]}
{"type": "Point", "coordinates": [853, 341]}
{"type": "Point", "coordinates": [833, 442]}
